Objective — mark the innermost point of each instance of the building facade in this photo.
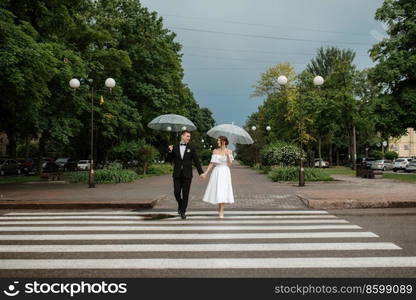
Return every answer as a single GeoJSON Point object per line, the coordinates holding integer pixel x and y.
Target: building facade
{"type": "Point", "coordinates": [405, 145]}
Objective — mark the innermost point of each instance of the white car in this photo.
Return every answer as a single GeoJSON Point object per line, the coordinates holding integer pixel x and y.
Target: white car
{"type": "Point", "coordinates": [324, 163]}
{"type": "Point", "coordinates": [382, 165]}
{"type": "Point", "coordinates": [411, 167]}
{"type": "Point", "coordinates": [401, 163]}
{"type": "Point", "coordinates": [84, 164]}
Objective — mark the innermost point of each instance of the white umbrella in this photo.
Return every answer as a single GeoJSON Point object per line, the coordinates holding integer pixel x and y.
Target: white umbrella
{"type": "Point", "coordinates": [234, 133]}
{"type": "Point", "coordinates": [171, 122]}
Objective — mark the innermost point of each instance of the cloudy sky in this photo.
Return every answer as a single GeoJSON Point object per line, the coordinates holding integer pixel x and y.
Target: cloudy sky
{"type": "Point", "coordinates": [227, 44]}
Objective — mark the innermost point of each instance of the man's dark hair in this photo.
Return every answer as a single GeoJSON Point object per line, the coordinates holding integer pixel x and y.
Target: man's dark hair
{"type": "Point", "coordinates": [185, 131]}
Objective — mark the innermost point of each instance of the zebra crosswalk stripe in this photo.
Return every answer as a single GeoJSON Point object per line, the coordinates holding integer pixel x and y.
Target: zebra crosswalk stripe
{"type": "Point", "coordinates": [175, 228]}
{"type": "Point", "coordinates": [176, 222]}
{"type": "Point", "coordinates": [242, 233]}
{"type": "Point", "coordinates": [200, 247]}
{"type": "Point", "coordinates": [189, 236]}
{"type": "Point", "coordinates": [207, 212]}
{"type": "Point", "coordinates": [213, 263]}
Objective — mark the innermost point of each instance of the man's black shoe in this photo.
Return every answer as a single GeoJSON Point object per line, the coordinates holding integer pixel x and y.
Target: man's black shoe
{"type": "Point", "coordinates": [179, 211]}
{"type": "Point", "coordinates": [183, 215]}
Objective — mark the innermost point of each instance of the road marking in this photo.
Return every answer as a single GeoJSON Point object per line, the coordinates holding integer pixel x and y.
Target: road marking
{"type": "Point", "coordinates": [96, 217]}
{"type": "Point", "coordinates": [188, 236]}
{"type": "Point", "coordinates": [213, 263]}
{"type": "Point", "coordinates": [172, 228]}
{"type": "Point", "coordinates": [174, 222]}
{"type": "Point", "coordinates": [199, 247]}
{"type": "Point", "coordinates": [207, 212]}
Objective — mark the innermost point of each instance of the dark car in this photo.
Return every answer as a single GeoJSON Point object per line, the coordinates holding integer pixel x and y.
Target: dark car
{"type": "Point", "coordinates": [50, 167]}
{"type": "Point", "coordinates": [31, 165]}
{"type": "Point", "coordinates": [9, 166]}
{"type": "Point", "coordinates": [365, 162]}
{"type": "Point", "coordinates": [67, 164]}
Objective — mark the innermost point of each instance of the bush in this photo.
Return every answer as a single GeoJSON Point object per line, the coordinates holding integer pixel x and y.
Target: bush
{"type": "Point", "coordinates": [292, 174]}
{"type": "Point", "coordinates": [376, 154]}
{"type": "Point", "coordinates": [127, 152]}
{"type": "Point", "coordinates": [281, 154]}
{"type": "Point", "coordinates": [262, 169]}
{"type": "Point", "coordinates": [113, 166]}
{"type": "Point", "coordinates": [107, 175]}
{"type": "Point", "coordinates": [205, 156]}
{"type": "Point", "coordinates": [391, 155]}
{"type": "Point", "coordinates": [160, 169]}
{"type": "Point", "coordinates": [146, 154]}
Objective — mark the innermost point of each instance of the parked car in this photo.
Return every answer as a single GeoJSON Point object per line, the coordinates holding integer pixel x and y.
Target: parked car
{"type": "Point", "coordinates": [67, 164]}
{"type": "Point", "coordinates": [50, 167]}
{"type": "Point", "coordinates": [365, 162]}
{"type": "Point", "coordinates": [401, 163]}
{"type": "Point", "coordinates": [31, 165]}
{"type": "Point", "coordinates": [411, 167]}
{"type": "Point", "coordinates": [84, 164]}
{"type": "Point", "coordinates": [382, 164]}
{"type": "Point", "coordinates": [324, 163]}
{"type": "Point", "coordinates": [9, 166]}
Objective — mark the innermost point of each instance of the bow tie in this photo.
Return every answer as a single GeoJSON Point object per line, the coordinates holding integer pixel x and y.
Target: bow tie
{"type": "Point", "coordinates": [183, 144]}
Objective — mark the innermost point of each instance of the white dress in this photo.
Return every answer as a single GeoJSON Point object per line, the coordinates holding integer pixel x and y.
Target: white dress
{"type": "Point", "coordinates": [219, 189]}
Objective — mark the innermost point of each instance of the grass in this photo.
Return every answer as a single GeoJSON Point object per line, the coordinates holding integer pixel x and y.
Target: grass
{"type": "Point", "coordinates": [349, 171]}
{"type": "Point", "coordinates": [339, 171]}
{"type": "Point", "coordinates": [18, 179]}
{"type": "Point", "coordinates": [117, 175]}
{"type": "Point", "coordinates": [292, 174]}
{"type": "Point", "coordinates": [401, 177]}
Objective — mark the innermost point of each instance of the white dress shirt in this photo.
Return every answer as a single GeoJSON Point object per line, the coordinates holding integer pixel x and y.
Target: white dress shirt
{"type": "Point", "coordinates": [182, 148]}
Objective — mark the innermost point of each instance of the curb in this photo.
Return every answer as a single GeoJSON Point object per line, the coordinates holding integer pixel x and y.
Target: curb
{"type": "Point", "coordinates": [351, 203]}
{"type": "Point", "coordinates": [60, 204]}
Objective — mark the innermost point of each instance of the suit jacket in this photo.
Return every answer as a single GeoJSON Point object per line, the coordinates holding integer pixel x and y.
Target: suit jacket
{"type": "Point", "coordinates": [184, 165]}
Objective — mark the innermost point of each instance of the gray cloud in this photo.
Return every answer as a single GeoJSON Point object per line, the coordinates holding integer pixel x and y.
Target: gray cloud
{"type": "Point", "coordinates": [228, 44]}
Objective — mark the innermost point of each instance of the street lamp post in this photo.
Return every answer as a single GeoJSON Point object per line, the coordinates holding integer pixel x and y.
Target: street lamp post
{"type": "Point", "coordinates": [75, 83]}
{"type": "Point", "coordinates": [384, 147]}
{"type": "Point", "coordinates": [317, 81]}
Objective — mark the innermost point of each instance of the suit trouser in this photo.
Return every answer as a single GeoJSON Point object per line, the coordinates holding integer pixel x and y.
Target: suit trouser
{"type": "Point", "coordinates": [181, 188]}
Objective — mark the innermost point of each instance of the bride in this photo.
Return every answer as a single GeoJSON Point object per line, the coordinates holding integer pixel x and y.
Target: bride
{"type": "Point", "coordinates": [220, 190]}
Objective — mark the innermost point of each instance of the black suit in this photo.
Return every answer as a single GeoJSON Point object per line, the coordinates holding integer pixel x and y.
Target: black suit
{"type": "Point", "coordinates": [182, 173]}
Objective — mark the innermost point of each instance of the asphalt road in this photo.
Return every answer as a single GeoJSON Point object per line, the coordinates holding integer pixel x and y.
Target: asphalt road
{"type": "Point", "coordinates": [247, 243]}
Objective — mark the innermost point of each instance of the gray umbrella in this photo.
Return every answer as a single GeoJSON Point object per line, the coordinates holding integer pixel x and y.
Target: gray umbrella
{"type": "Point", "coordinates": [171, 122]}
{"type": "Point", "coordinates": [234, 133]}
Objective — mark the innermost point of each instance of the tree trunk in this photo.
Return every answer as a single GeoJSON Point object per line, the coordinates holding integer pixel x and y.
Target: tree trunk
{"type": "Point", "coordinates": [42, 142]}
{"type": "Point", "coordinates": [27, 147]}
{"type": "Point", "coordinates": [337, 156]}
{"type": "Point", "coordinates": [354, 148]}
{"type": "Point", "coordinates": [11, 147]}
{"type": "Point", "coordinates": [320, 151]}
{"type": "Point", "coordinates": [330, 154]}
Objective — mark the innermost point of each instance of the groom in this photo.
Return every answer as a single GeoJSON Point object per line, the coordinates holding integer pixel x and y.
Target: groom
{"type": "Point", "coordinates": [182, 156]}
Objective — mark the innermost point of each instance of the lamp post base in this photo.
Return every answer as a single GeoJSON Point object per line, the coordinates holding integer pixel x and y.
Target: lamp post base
{"type": "Point", "coordinates": [301, 174]}
{"type": "Point", "coordinates": [91, 179]}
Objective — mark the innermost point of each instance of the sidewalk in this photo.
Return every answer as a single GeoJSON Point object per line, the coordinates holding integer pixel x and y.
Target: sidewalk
{"type": "Point", "coordinates": [355, 192]}
{"type": "Point", "coordinates": [252, 191]}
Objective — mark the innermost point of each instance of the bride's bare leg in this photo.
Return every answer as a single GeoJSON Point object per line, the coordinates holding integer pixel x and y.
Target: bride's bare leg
{"type": "Point", "coordinates": [221, 210]}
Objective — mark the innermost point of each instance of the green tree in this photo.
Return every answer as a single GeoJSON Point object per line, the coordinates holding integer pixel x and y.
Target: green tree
{"type": "Point", "coordinates": [395, 70]}
{"type": "Point", "coordinates": [26, 67]}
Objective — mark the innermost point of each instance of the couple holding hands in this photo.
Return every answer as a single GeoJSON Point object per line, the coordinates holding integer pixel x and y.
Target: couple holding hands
{"type": "Point", "coordinates": [219, 189]}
